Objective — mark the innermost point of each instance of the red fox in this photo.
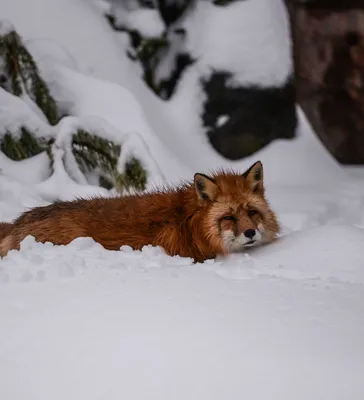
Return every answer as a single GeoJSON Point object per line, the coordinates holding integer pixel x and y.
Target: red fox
{"type": "Point", "coordinates": [213, 215]}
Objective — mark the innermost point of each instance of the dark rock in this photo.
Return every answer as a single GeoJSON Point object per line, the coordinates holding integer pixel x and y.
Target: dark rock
{"type": "Point", "coordinates": [242, 120]}
{"type": "Point", "coordinates": [172, 10]}
{"type": "Point", "coordinates": [225, 2]}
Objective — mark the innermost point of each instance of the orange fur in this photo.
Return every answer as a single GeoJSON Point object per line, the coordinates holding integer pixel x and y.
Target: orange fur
{"type": "Point", "coordinates": [5, 228]}
{"type": "Point", "coordinates": [187, 220]}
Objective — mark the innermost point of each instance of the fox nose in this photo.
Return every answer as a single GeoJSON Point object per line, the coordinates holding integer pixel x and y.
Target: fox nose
{"type": "Point", "coordinates": [249, 233]}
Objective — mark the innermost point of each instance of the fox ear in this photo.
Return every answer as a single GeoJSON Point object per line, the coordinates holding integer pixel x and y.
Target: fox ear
{"type": "Point", "coordinates": [206, 187]}
{"type": "Point", "coordinates": [254, 177]}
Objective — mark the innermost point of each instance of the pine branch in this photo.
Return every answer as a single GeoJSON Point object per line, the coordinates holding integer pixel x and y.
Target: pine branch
{"type": "Point", "coordinates": [134, 176]}
{"type": "Point", "coordinates": [27, 145]}
{"type": "Point", "coordinates": [93, 152]}
{"type": "Point", "coordinates": [21, 75]}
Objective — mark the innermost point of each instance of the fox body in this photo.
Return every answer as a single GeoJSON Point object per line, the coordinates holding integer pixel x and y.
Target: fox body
{"type": "Point", "coordinates": [5, 229]}
{"type": "Point", "coordinates": [213, 215]}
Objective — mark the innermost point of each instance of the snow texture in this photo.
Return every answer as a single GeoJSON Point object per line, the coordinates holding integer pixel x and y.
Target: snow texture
{"type": "Point", "coordinates": [146, 21]}
{"type": "Point", "coordinates": [255, 46]}
{"type": "Point", "coordinates": [15, 114]}
{"type": "Point", "coordinates": [78, 322]}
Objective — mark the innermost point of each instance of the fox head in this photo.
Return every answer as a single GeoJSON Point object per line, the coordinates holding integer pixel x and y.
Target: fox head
{"type": "Point", "coordinates": [234, 211]}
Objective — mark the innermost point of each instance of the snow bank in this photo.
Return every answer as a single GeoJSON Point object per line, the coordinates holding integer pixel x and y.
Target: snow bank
{"type": "Point", "coordinates": [284, 160]}
{"type": "Point", "coordinates": [15, 114]}
{"type": "Point", "coordinates": [85, 43]}
{"type": "Point", "coordinates": [327, 253]}
{"type": "Point", "coordinates": [15, 195]}
{"type": "Point", "coordinates": [85, 96]}
{"type": "Point", "coordinates": [320, 249]}
{"type": "Point", "coordinates": [82, 322]}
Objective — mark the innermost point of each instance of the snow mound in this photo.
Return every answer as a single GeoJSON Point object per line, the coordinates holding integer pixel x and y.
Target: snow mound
{"type": "Point", "coordinates": [33, 261]}
{"type": "Point", "coordinates": [85, 43]}
{"type": "Point", "coordinates": [255, 46]}
{"type": "Point", "coordinates": [101, 324]}
{"type": "Point", "coordinates": [15, 196]}
{"type": "Point", "coordinates": [321, 257]}
{"type": "Point", "coordinates": [84, 96]}
{"type": "Point", "coordinates": [328, 253]}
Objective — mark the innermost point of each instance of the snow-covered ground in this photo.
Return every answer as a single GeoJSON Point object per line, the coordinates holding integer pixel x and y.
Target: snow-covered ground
{"type": "Point", "coordinates": [82, 323]}
{"type": "Point", "coordinates": [79, 322]}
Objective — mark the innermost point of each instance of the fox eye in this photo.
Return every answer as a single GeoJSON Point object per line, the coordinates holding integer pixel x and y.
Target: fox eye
{"type": "Point", "coordinates": [251, 213]}
{"type": "Point", "coordinates": [228, 218]}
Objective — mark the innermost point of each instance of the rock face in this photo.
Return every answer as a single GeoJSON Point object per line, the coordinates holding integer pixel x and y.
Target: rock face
{"type": "Point", "coordinates": [329, 58]}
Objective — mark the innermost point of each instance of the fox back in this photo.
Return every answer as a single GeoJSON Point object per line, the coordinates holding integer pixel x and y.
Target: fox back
{"type": "Point", "coordinates": [213, 215]}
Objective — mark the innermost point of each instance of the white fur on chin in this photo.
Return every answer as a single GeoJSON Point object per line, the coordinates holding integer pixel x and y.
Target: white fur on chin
{"type": "Point", "coordinates": [237, 243]}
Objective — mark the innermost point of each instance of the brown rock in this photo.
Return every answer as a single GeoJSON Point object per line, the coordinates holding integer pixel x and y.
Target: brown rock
{"type": "Point", "coordinates": [329, 58]}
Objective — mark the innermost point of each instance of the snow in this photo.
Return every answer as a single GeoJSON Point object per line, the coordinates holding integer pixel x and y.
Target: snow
{"type": "Point", "coordinates": [167, 59]}
{"type": "Point", "coordinates": [72, 31]}
{"type": "Point", "coordinates": [222, 120]}
{"type": "Point", "coordinates": [257, 31]}
{"type": "Point", "coordinates": [281, 322]}
{"type": "Point", "coordinates": [284, 321]}
{"type": "Point", "coordinates": [188, 141]}
{"type": "Point", "coordinates": [5, 27]}
{"type": "Point", "coordinates": [80, 322]}
{"type": "Point", "coordinates": [83, 96]}
{"type": "Point", "coordinates": [144, 20]}
{"type": "Point", "coordinates": [16, 113]}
